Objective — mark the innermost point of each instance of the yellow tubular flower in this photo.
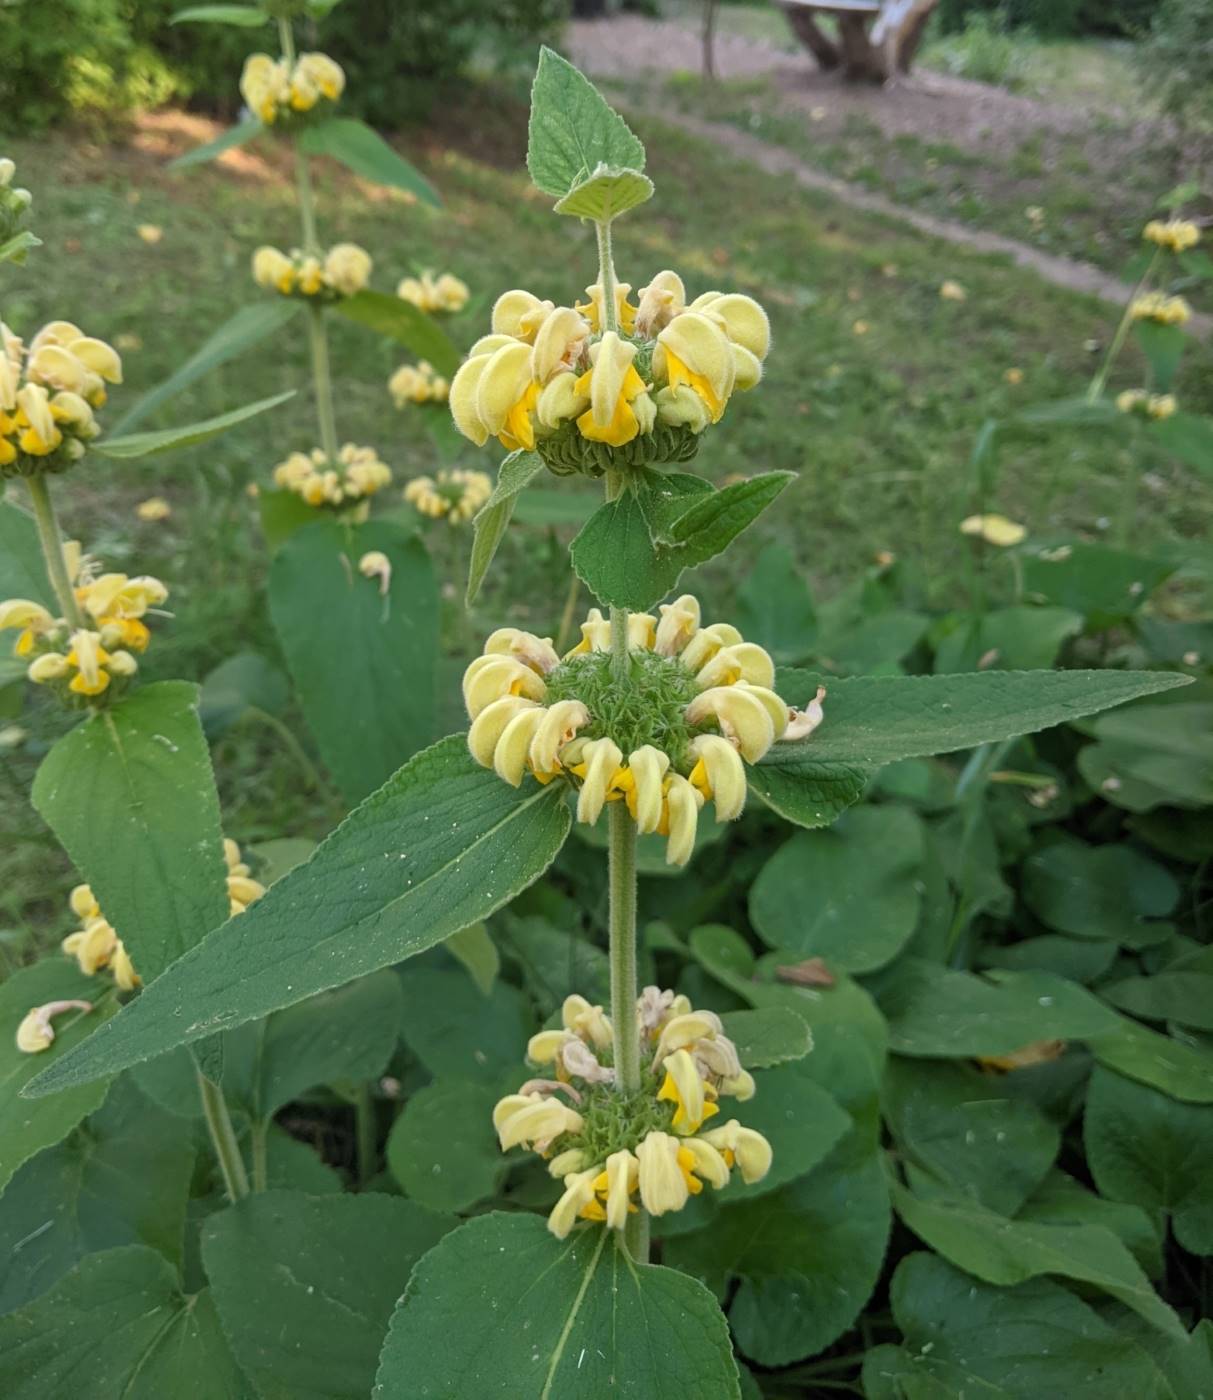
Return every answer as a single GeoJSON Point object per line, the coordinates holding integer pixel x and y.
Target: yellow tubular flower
{"type": "Point", "coordinates": [538, 1121]}
{"type": "Point", "coordinates": [51, 667]}
{"type": "Point", "coordinates": [578, 1194]}
{"type": "Point", "coordinates": [589, 1022]}
{"type": "Point", "coordinates": [662, 1180]}
{"type": "Point", "coordinates": [647, 768]}
{"type": "Point", "coordinates": [558, 343]}
{"type": "Point", "coordinates": [683, 1086]}
{"type": "Point", "coordinates": [347, 268]}
{"type": "Point", "coordinates": [660, 302]}
{"type": "Point", "coordinates": [695, 351]}
{"type": "Point", "coordinates": [625, 312]}
{"type": "Point", "coordinates": [620, 407]}
{"type": "Point", "coordinates": [1156, 306]}
{"type": "Point", "coordinates": [273, 269]}
{"type": "Point", "coordinates": [685, 1029]}
{"type": "Point", "coordinates": [544, 1047]}
{"type": "Point", "coordinates": [600, 765]}
{"type": "Point", "coordinates": [707, 1162]}
{"type": "Point", "coordinates": [682, 803]}
{"type": "Point", "coordinates": [89, 658]}
{"type": "Point", "coordinates": [679, 623]}
{"type": "Point", "coordinates": [489, 678]}
{"type": "Point", "coordinates": [560, 724]}
{"type": "Point", "coordinates": [742, 717]}
{"type": "Point", "coordinates": [719, 774]}
{"type": "Point", "coordinates": [491, 723]}
{"type": "Point", "coordinates": [706, 642]}
{"type": "Point", "coordinates": [618, 1181]}
{"type": "Point", "coordinates": [514, 747]}
{"type": "Point", "coordinates": [1177, 234]}
{"type": "Point", "coordinates": [750, 1150]}
{"type": "Point", "coordinates": [519, 313]}
{"type": "Point", "coordinates": [502, 394]}
{"type": "Point", "coordinates": [744, 661]}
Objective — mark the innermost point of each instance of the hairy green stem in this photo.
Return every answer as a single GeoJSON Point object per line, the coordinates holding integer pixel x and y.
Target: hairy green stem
{"type": "Point", "coordinates": [52, 549]}
{"type": "Point", "coordinates": [223, 1139]}
{"type": "Point", "coordinates": [286, 39]}
{"type": "Point", "coordinates": [623, 947]}
{"type": "Point", "coordinates": [606, 277]}
{"type": "Point", "coordinates": [323, 381]}
{"type": "Point", "coordinates": [1100, 381]}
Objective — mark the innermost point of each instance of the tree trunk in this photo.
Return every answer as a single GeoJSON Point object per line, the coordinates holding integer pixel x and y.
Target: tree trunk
{"type": "Point", "coordinates": [709, 38]}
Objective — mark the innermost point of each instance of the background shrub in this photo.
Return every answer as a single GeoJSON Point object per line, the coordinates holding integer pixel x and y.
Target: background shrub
{"type": "Point", "coordinates": [1176, 61]}
{"type": "Point", "coordinates": [1058, 18]}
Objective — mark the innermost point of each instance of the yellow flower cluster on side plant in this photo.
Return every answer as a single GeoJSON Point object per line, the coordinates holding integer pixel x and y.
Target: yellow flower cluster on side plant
{"type": "Point", "coordinates": [341, 272]}
{"type": "Point", "coordinates": [553, 378]}
{"type": "Point", "coordinates": [1146, 405]}
{"type": "Point", "coordinates": [454, 494]}
{"type": "Point", "coordinates": [277, 91]}
{"type": "Point", "coordinates": [653, 1148]}
{"type": "Point", "coordinates": [446, 293]}
{"type": "Point", "coordinates": [356, 476]}
{"type": "Point", "coordinates": [696, 707]}
{"type": "Point", "coordinates": [48, 394]}
{"type": "Point", "coordinates": [994, 529]}
{"type": "Point", "coordinates": [96, 946]}
{"type": "Point", "coordinates": [1176, 234]}
{"type": "Point", "coordinates": [85, 662]}
{"type": "Point", "coordinates": [419, 383]}
{"type": "Point", "coordinates": [1158, 307]}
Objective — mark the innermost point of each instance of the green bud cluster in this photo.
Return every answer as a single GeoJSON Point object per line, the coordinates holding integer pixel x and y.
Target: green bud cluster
{"type": "Point", "coordinates": [567, 453]}
{"type": "Point", "coordinates": [645, 707]}
{"type": "Point", "coordinates": [612, 1121]}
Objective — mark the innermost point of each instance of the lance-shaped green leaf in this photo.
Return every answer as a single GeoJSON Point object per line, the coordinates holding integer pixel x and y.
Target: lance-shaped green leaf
{"type": "Point", "coordinates": [441, 845]}
{"type": "Point", "coordinates": [998, 1250]}
{"type": "Point", "coordinates": [239, 135]}
{"type": "Point", "coordinates": [574, 1319]}
{"type": "Point", "coordinates": [305, 1285]}
{"type": "Point", "coordinates": [573, 130]}
{"type": "Point", "coordinates": [606, 194]}
{"type": "Point", "coordinates": [366, 153]}
{"type": "Point", "coordinates": [243, 16]}
{"type": "Point", "coordinates": [22, 567]}
{"type": "Point", "coordinates": [189, 435]}
{"type": "Point", "coordinates": [404, 323]}
{"type": "Point", "coordinates": [875, 720]}
{"type": "Point", "coordinates": [1163, 347]}
{"type": "Point", "coordinates": [372, 714]}
{"type": "Point", "coordinates": [26, 1128]}
{"type": "Point", "coordinates": [248, 327]}
{"type": "Point", "coordinates": [118, 1324]}
{"type": "Point", "coordinates": [131, 796]}
{"type": "Point", "coordinates": [492, 520]}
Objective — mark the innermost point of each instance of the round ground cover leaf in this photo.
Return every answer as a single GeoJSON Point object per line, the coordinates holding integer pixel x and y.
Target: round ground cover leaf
{"type": "Point", "coordinates": [123, 1180]}
{"type": "Point", "coordinates": [808, 1256]}
{"type": "Point", "coordinates": [998, 1250]}
{"type": "Point", "coordinates": [1183, 1071]}
{"type": "Point", "coordinates": [850, 894]}
{"type": "Point", "coordinates": [443, 1150]}
{"type": "Point", "coordinates": [1147, 1149]}
{"type": "Point", "coordinates": [458, 1032]}
{"type": "Point", "coordinates": [305, 1285]}
{"type": "Point", "coordinates": [502, 1309]}
{"type": "Point", "coordinates": [26, 1126]}
{"type": "Point", "coordinates": [118, 1325]}
{"type": "Point", "coordinates": [368, 718]}
{"type": "Point", "coordinates": [347, 1033]}
{"type": "Point", "coordinates": [800, 1120]}
{"type": "Point", "coordinates": [968, 1339]}
{"type": "Point", "coordinates": [935, 1012]}
{"type": "Point", "coordinates": [130, 794]}
{"type": "Point", "coordinates": [1097, 891]}
{"type": "Point", "coordinates": [957, 1125]}
{"type": "Point", "coordinates": [442, 844]}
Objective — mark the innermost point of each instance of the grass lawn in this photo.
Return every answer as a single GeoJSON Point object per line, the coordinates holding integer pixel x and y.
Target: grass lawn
{"type": "Point", "coordinates": [879, 425]}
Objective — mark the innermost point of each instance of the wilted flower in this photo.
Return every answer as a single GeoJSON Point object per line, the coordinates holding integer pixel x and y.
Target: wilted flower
{"type": "Point", "coordinates": [703, 708]}
{"type": "Point", "coordinates": [36, 1032]}
{"type": "Point", "coordinates": [454, 494]}
{"type": "Point", "coordinates": [608, 1151]}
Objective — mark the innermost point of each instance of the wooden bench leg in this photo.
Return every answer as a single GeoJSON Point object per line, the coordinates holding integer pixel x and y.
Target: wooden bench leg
{"type": "Point", "coordinates": [807, 30]}
{"type": "Point", "coordinates": [862, 62]}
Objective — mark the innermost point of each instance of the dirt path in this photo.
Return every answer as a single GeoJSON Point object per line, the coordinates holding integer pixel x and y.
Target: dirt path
{"type": "Point", "coordinates": [930, 106]}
